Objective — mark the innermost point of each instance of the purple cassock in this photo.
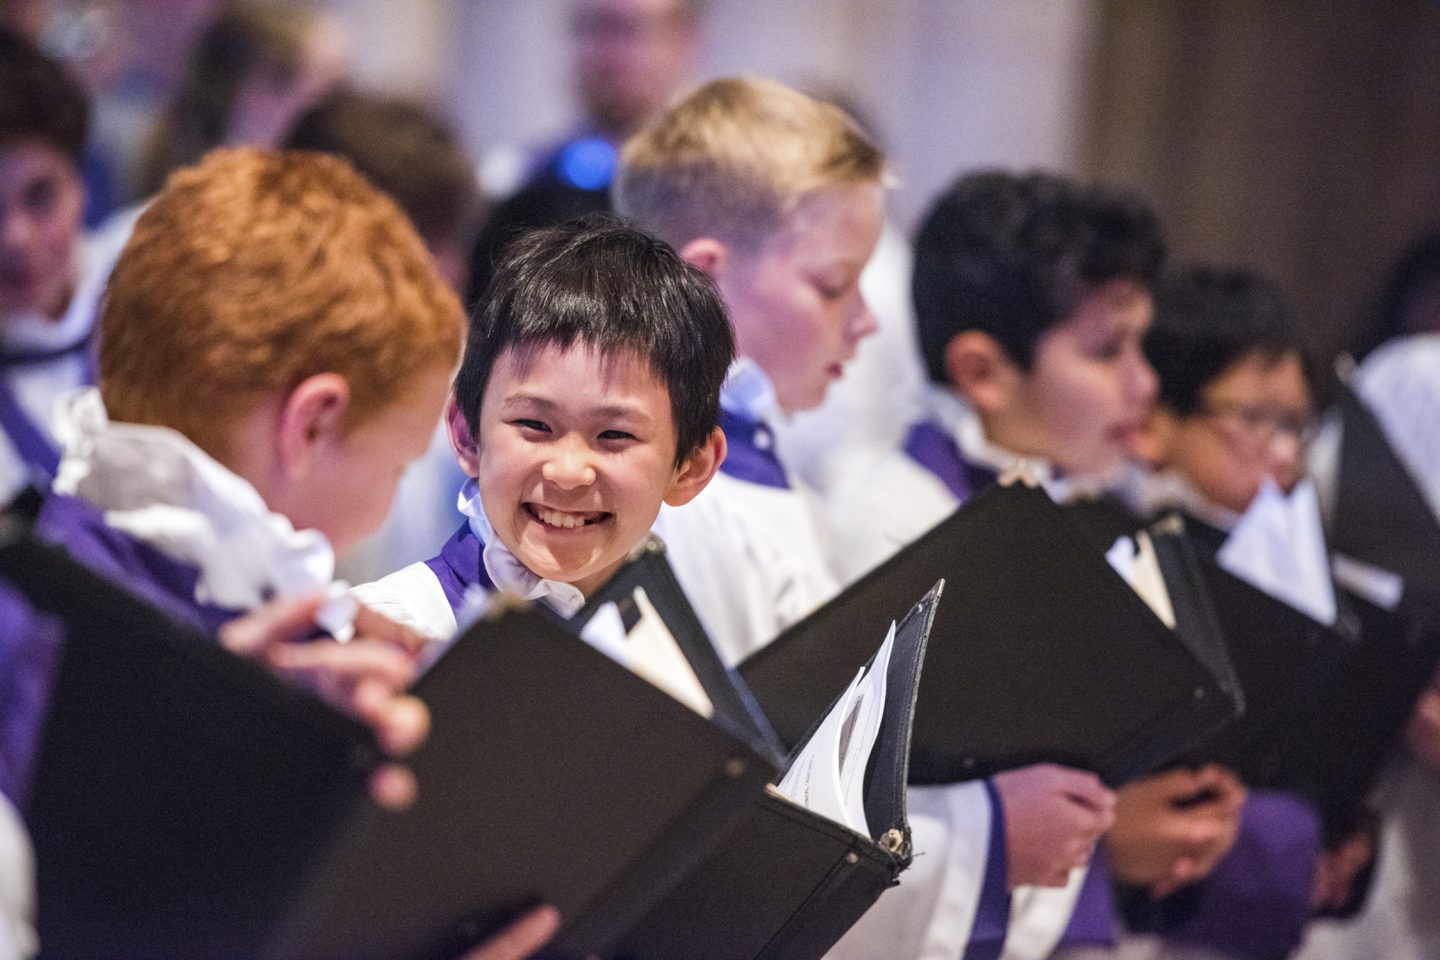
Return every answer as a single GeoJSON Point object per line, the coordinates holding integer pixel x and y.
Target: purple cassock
{"type": "Point", "coordinates": [140, 568]}
{"type": "Point", "coordinates": [30, 646]}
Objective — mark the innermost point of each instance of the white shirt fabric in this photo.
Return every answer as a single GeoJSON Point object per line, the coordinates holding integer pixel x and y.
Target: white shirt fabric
{"type": "Point", "coordinates": [17, 887]}
{"type": "Point", "coordinates": [753, 559]}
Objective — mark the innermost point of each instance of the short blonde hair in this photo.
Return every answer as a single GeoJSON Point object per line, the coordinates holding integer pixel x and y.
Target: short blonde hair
{"type": "Point", "coordinates": [735, 158]}
{"type": "Point", "coordinates": [256, 269]}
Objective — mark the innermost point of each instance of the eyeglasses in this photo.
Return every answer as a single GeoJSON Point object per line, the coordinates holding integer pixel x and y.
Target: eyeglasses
{"type": "Point", "coordinates": [1257, 425]}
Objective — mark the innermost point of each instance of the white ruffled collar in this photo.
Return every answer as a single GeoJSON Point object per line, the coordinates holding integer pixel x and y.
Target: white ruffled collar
{"type": "Point", "coordinates": [506, 570]}
{"type": "Point", "coordinates": [156, 485]}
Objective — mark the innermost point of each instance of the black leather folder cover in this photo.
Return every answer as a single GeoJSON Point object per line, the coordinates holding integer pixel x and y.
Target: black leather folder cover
{"type": "Point", "coordinates": [1381, 517]}
{"type": "Point", "coordinates": [552, 774]}
{"type": "Point", "coordinates": [735, 706]}
{"type": "Point", "coordinates": [188, 804]}
{"type": "Point", "coordinates": [1041, 652]}
{"type": "Point", "coordinates": [1324, 704]}
{"type": "Point", "coordinates": [788, 883]}
{"type": "Point", "coordinates": [180, 792]}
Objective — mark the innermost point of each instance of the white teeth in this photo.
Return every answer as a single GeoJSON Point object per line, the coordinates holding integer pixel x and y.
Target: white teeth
{"type": "Point", "coordinates": [566, 521]}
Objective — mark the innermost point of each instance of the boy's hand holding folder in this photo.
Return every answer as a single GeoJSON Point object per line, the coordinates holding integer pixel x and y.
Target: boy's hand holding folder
{"type": "Point", "coordinates": [366, 677]}
{"type": "Point", "coordinates": [1053, 817]}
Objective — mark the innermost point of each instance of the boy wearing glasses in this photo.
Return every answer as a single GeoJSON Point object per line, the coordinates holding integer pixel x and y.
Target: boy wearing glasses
{"type": "Point", "coordinates": [1234, 405]}
{"type": "Point", "coordinates": [1235, 409]}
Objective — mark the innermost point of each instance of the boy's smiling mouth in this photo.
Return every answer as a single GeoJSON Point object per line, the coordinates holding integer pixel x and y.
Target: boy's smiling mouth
{"type": "Point", "coordinates": [563, 519]}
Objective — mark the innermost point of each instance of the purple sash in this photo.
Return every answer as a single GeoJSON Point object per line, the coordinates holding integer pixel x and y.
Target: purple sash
{"type": "Point", "coordinates": [992, 915]}
{"type": "Point", "coordinates": [751, 452]}
{"type": "Point", "coordinates": [936, 450]}
{"type": "Point", "coordinates": [459, 566]}
{"type": "Point", "coordinates": [143, 570]}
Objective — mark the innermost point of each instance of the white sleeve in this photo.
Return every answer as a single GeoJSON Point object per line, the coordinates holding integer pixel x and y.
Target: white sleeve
{"type": "Point", "coordinates": [929, 916]}
{"type": "Point", "coordinates": [411, 596]}
{"type": "Point", "coordinates": [750, 558]}
{"type": "Point", "coordinates": [17, 887]}
{"type": "Point", "coordinates": [881, 501]}
{"type": "Point", "coordinates": [1039, 917]}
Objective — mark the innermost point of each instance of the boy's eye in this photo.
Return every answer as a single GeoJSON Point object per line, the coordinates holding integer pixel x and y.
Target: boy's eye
{"type": "Point", "coordinates": [526, 424]}
{"type": "Point", "coordinates": [40, 196]}
{"type": "Point", "coordinates": [616, 435]}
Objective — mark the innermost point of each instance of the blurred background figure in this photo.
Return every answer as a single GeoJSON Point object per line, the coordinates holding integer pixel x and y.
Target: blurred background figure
{"type": "Point", "coordinates": [627, 58]}
{"type": "Point", "coordinates": [254, 69]}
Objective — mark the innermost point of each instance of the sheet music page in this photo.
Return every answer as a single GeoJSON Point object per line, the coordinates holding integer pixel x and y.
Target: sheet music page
{"type": "Point", "coordinates": [1136, 562]}
{"type": "Point", "coordinates": [1278, 546]}
{"type": "Point", "coordinates": [653, 653]}
{"type": "Point", "coordinates": [828, 776]}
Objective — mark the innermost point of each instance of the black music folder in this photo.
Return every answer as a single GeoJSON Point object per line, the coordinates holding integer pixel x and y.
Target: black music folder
{"type": "Point", "coordinates": [1041, 652]}
{"type": "Point", "coordinates": [649, 570]}
{"type": "Point", "coordinates": [788, 882]}
{"type": "Point", "coordinates": [1381, 517]}
{"type": "Point", "coordinates": [188, 804]}
{"type": "Point", "coordinates": [1325, 703]}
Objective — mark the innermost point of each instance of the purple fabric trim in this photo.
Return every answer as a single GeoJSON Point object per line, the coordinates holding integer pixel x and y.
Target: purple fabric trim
{"type": "Point", "coordinates": [992, 915]}
{"type": "Point", "coordinates": [751, 452]}
{"type": "Point", "coordinates": [29, 654]}
{"type": "Point", "coordinates": [1094, 921]}
{"type": "Point", "coordinates": [458, 566]}
{"type": "Point", "coordinates": [140, 568]}
{"type": "Point", "coordinates": [1257, 901]}
{"type": "Point", "coordinates": [936, 450]}
{"type": "Point", "coordinates": [33, 445]}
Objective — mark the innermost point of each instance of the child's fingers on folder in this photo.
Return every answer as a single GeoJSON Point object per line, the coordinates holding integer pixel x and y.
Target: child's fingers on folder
{"type": "Point", "coordinates": [280, 621]}
{"type": "Point", "coordinates": [371, 625]}
{"type": "Point", "coordinates": [1053, 816]}
{"type": "Point", "coordinates": [521, 939]}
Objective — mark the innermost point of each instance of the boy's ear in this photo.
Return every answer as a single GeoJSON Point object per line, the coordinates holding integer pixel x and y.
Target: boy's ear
{"type": "Point", "coordinates": [712, 256]}
{"type": "Point", "coordinates": [697, 470]}
{"type": "Point", "coordinates": [981, 371]}
{"type": "Point", "coordinates": [1155, 440]}
{"type": "Point", "coordinates": [312, 416]}
{"type": "Point", "coordinates": [462, 440]}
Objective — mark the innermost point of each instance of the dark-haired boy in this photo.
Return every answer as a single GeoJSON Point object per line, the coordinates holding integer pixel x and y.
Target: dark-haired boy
{"type": "Point", "coordinates": [1031, 297]}
{"type": "Point", "coordinates": [588, 396]}
{"type": "Point", "coordinates": [49, 279]}
{"type": "Point", "coordinates": [1235, 411]}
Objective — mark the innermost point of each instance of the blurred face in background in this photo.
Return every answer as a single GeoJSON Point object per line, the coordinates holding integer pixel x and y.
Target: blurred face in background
{"type": "Point", "coordinates": [1255, 421]}
{"type": "Point", "coordinates": [41, 200]}
{"type": "Point", "coordinates": [629, 57]}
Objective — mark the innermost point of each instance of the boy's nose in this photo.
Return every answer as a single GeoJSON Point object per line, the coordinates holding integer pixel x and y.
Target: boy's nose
{"type": "Point", "coordinates": [862, 322]}
{"type": "Point", "coordinates": [569, 467]}
{"type": "Point", "coordinates": [1286, 458]}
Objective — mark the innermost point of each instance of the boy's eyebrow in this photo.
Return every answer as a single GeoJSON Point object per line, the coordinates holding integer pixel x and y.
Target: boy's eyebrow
{"type": "Point", "coordinates": [608, 411]}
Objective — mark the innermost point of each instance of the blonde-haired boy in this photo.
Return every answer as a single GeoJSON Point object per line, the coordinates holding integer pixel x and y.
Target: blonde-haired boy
{"type": "Point", "coordinates": [779, 198]}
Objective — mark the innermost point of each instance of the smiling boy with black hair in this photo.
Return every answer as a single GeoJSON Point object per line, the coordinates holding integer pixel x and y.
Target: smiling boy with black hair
{"type": "Point", "coordinates": [588, 396]}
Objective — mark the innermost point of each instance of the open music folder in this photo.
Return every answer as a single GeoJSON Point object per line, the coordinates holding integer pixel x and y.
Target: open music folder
{"type": "Point", "coordinates": [1325, 703]}
{"type": "Point", "coordinates": [814, 852]}
{"type": "Point", "coordinates": [189, 804]}
{"type": "Point", "coordinates": [1041, 652]}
